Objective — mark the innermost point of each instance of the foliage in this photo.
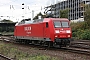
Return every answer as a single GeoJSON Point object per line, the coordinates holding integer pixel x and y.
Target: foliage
{"type": "Point", "coordinates": [81, 30]}
{"type": "Point", "coordinates": [39, 14]}
{"type": "Point", "coordinates": [87, 15]}
{"type": "Point", "coordinates": [85, 35]}
{"type": "Point", "coordinates": [64, 13]}
{"type": "Point", "coordinates": [82, 34]}
{"type": "Point", "coordinates": [7, 29]}
{"type": "Point", "coordinates": [0, 29]}
{"type": "Point", "coordinates": [9, 21]}
{"type": "Point", "coordinates": [79, 25]}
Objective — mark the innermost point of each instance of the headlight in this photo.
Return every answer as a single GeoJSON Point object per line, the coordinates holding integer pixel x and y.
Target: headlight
{"type": "Point", "coordinates": [68, 35]}
{"type": "Point", "coordinates": [56, 36]}
{"type": "Point", "coordinates": [68, 31]}
{"type": "Point", "coordinates": [57, 31]}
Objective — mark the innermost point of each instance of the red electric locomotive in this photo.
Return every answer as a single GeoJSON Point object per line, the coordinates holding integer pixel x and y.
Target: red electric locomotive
{"type": "Point", "coordinates": [47, 31]}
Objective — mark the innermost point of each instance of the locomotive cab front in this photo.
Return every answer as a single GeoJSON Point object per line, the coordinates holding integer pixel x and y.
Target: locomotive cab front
{"type": "Point", "coordinates": [62, 34]}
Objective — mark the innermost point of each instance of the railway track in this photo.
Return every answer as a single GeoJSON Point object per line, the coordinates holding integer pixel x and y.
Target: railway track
{"type": "Point", "coordinates": [84, 44]}
{"type": "Point", "coordinates": [77, 50]}
{"type": "Point", "coordinates": [72, 48]}
{"type": "Point", "coordinates": [2, 57]}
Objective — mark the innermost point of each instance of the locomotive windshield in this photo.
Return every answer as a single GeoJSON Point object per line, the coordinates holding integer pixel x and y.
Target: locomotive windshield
{"type": "Point", "coordinates": [65, 24]}
{"type": "Point", "coordinates": [58, 24]}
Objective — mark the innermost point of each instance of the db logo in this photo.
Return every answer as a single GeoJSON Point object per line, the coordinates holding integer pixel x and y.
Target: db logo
{"type": "Point", "coordinates": [27, 28]}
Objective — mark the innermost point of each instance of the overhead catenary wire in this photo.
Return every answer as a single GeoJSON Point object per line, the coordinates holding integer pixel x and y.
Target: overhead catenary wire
{"type": "Point", "coordinates": [8, 3]}
{"type": "Point", "coordinates": [15, 7]}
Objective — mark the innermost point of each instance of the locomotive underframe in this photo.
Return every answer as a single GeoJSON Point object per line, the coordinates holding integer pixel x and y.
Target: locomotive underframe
{"type": "Point", "coordinates": [62, 42]}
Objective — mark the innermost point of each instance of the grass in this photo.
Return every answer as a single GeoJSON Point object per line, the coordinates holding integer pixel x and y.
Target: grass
{"type": "Point", "coordinates": [13, 52]}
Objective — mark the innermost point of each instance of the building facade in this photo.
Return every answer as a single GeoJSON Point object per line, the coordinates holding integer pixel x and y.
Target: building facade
{"type": "Point", "coordinates": [76, 8]}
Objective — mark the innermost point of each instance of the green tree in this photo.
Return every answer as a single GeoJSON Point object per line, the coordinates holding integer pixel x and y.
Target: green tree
{"type": "Point", "coordinates": [9, 21]}
{"type": "Point", "coordinates": [87, 15]}
{"type": "Point", "coordinates": [39, 14]}
{"type": "Point", "coordinates": [64, 13]}
{"type": "Point", "coordinates": [36, 17]}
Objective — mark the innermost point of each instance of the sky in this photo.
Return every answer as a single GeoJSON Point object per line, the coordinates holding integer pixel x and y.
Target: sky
{"type": "Point", "coordinates": [12, 9]}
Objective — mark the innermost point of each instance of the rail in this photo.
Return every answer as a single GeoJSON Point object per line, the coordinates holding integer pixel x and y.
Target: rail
{"type": "Point", "coordinates": [78, 50]}
{"type": "Point", "coordinates": [5, 57]}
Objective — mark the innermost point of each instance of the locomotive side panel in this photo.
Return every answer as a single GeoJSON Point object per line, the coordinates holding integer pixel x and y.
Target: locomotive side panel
{"type": "Point", "coordinates": [37, 31]}
{"type": "Point", "coordinates": [47, 31]}
{"type": "Point", "coordinates": [51, 30]}
{"type": "Point", "coordinates": [19, 31]}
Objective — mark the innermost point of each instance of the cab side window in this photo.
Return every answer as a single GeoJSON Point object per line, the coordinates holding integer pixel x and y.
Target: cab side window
{"type": "Point", "coordinates": [46, 24]}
